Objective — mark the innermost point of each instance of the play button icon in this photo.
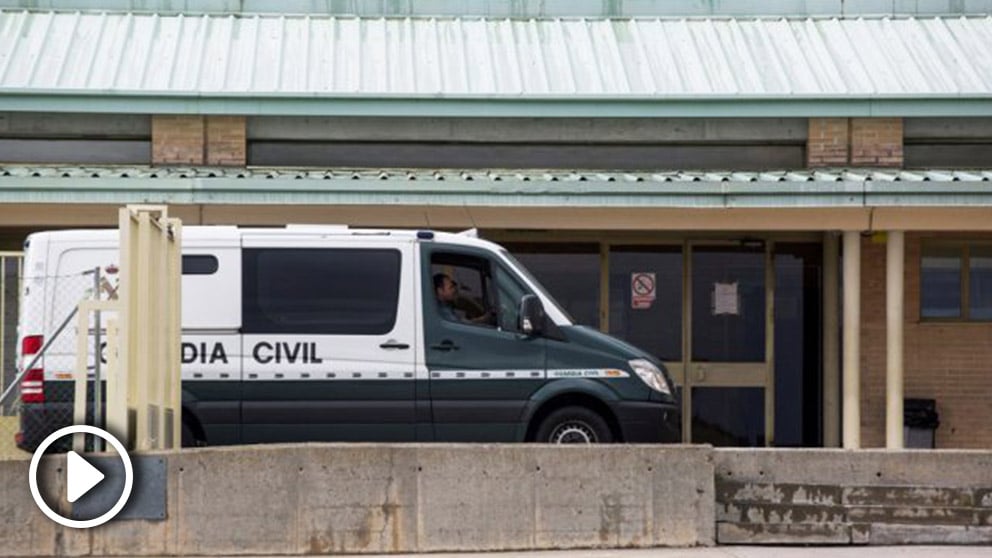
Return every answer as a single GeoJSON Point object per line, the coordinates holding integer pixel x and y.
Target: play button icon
{"type": "Point", "coordinates": [81, 477]}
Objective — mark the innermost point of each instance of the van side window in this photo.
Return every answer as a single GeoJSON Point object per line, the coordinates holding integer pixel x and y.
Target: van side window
{"type": "Point", "coordinates": [200, 264]}
{"type": "Point", "coordinates": [331, 291]}
{"type": "Point", "coordinates": [463, 289]}
{"type": "Point", "coordinates": [510, 291]}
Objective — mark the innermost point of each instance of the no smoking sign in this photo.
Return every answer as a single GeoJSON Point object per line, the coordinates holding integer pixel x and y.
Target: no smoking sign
{"type": "Point", "coordinates": [642, 290]}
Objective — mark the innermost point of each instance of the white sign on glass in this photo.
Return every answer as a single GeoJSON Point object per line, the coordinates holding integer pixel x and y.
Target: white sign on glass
{"type": "Point", "coordinates": [726, 299]}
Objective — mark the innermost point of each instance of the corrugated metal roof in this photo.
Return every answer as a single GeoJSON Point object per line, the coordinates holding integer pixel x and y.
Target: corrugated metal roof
{"type": "Point", "coordinates": [543, 9]}
{"type": "Point", "coordinates": [324, 58]}
{"type": "Point", "coordinates": [498, 188]}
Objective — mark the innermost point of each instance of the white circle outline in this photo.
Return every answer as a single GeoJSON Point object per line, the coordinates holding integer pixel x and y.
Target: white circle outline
{"type": "Point", "coordinates": [74, 523]}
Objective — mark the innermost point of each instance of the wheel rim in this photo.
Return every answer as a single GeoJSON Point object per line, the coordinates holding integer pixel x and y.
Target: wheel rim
{"type": "Point", "coordinates": [573, 432]}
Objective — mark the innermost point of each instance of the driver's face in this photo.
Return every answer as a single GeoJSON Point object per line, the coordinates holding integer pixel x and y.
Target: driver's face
{"type": "Point", "coordinates": [447, 291]}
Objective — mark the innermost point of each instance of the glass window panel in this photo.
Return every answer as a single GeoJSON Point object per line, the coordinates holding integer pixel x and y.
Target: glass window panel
{"type": "Point", "coordinates": [728, 304]}
{"type": "Point", "coordinates": [332, 291]}
{"type": "Point", "coordinates": [653, 325]}
{"type": "Point", "coordinates": [728, 416]}
{"type": "Point", "coordinates": [200, 264]}
{"type": "Point", "coordinates": [940, 282]}
{"type": "Point", "coordinates": [788, 350]}
{"type": "Point", "coordinates": [508, 294]}
{"type": "Point", "coordinates": [469, 298]}
{"type": "Point", "coordinates": [798, 336]}
{"type": "Point", "coordinates": [569, 272]}
{"type": "Point", "coordinates": [980, 283]}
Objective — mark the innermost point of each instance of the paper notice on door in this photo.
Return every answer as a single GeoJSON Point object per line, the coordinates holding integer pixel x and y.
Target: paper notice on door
{"type": "Point", "coordinates": [725, 299]}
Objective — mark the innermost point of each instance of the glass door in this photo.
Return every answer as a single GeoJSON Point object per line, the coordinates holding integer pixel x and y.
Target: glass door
{"type": "Point", "coordinates": [727, 391]}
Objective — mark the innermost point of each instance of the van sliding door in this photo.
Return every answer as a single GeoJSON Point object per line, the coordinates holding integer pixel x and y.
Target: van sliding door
{"type": "Point", "coordinates": [328, 340]}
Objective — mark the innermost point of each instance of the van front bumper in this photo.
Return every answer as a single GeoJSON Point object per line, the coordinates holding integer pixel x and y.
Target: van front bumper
{"type": "Point", "coordinates": [649, 422]}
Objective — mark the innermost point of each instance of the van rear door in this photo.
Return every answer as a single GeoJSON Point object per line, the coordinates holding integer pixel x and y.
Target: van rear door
{"type": "Point", "coordinates": [328, 338]}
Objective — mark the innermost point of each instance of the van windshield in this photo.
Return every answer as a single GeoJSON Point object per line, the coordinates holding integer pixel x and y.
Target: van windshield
{"type": "Point", "coordinates": [519, 267]}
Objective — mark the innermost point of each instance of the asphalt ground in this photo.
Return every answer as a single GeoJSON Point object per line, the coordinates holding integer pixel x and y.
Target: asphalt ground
{"type": "Point", "coordinates": [727, 552]}
{"type": "Point", "coordinates": [742, 552]}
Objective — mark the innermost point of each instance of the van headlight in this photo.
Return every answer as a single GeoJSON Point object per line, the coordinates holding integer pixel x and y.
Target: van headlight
{"type": "Point", "coordinates": [651, 375]}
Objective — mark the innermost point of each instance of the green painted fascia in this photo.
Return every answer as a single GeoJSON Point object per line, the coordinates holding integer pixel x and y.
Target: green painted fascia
{"type": "Point", "coordinates": [507, 193]}
{"type": "Point", "coordinates": [567, 107]}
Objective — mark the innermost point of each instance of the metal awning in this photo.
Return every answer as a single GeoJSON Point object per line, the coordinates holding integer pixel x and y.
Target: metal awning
{"type": "Point", "coordinates": [832, 188]}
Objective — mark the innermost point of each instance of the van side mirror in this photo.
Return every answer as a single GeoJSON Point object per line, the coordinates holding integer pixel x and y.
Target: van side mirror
{"type": "Point", "coordinates": [531, 315]}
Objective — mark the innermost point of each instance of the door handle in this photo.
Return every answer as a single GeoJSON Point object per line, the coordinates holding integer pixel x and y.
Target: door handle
{"type": "Point", "coordinates": [446, 345]}
{"type": "Point", "coordinates": [700, 373]}
{"type": "Point", "coordinates": [393, 344]}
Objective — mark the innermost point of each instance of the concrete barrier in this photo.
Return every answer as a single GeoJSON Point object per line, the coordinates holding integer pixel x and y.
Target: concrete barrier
{"type": "Point", "coordinates": [358, 498]}
{"type": "Point", "coordinates": [377, 498]}
{"type": "Point", "coordinates": [853, 497]}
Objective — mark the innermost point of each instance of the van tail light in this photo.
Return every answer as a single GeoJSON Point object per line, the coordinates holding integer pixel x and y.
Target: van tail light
{"type": "Point", "coordinates": [32, 344]}
{"type": "Point", "coordinates": [33, 386]}
{"type": "Point", "coordinates": [33, 383]}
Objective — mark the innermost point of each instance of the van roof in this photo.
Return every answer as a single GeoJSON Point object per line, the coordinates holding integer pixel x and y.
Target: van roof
{"type": "Point", "coordinates": [202, 233]}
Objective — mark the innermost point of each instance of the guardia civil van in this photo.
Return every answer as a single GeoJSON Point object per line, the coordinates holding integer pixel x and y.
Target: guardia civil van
{"type": "Point", "coordinates": [323, 333]}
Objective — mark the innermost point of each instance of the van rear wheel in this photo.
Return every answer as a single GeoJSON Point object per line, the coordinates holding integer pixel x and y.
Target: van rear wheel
{"type": "Point", "coordinates": [187, 440]}
{"type": "Point", "coordinates": [190, 438]}
{"type": "Point", "coordinates": [574, 425]}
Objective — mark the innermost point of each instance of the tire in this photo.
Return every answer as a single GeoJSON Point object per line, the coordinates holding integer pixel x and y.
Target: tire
{"type": "Point", "coordinates": [574, 425]}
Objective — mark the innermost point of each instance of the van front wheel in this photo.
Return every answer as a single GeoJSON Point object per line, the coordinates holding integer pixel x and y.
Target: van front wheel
{"type": "Point", "coordinates": [574, 425]}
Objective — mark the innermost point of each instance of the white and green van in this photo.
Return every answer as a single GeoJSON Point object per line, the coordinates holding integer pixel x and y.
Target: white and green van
{"type": "Point", "coordinates": [325, 333]}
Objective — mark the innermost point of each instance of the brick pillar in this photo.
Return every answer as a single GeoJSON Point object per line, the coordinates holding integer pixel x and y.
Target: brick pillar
{"type": "Point", "coordinates": [199, 140]}
{"type": "Point", "coordinates": [177, 140]}
{"type": "Point", "coordinates": [827, 144]}
{"type": "Point", "coordinates": [226, 144]}
{"type": "Point", "coordinates": [866, 142]}
{"type": "Point", "coordinates": [876, 142]}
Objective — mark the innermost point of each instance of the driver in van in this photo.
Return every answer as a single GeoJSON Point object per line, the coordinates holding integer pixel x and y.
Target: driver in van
{"type": "Point", "coordinates": [446, 290]}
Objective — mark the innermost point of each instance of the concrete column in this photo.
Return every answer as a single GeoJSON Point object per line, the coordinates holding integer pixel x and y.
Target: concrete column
{"type": "Point", "coordinates": [831, 341]}
{"type": "Point", "coordinates": [894, 296]}
{"type": "Point", "coordinates": [852, 339]}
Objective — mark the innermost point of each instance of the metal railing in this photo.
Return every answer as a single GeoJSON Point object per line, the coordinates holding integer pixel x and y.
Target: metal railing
{"type": "Point", "coordinates": [57, 355]}
{"type": "Point", "coordinates": [11, 264]}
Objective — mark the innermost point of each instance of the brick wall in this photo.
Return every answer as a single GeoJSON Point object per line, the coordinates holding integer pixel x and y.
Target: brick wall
{"type": "Point", "coordinates": [226, 141]}
{"type": "Point", "coordinates": [198, 140]}
{"type": "Point", "coordinates": [876, 142]}
{"type": "Point", "coordinates": [869, 142]}
{"type": "Point", "coordinates": [828, 143]}
{"type": "Point", "coordinates": [177, 140]}
{"type": "Point", "coordinates": [949, 362]}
